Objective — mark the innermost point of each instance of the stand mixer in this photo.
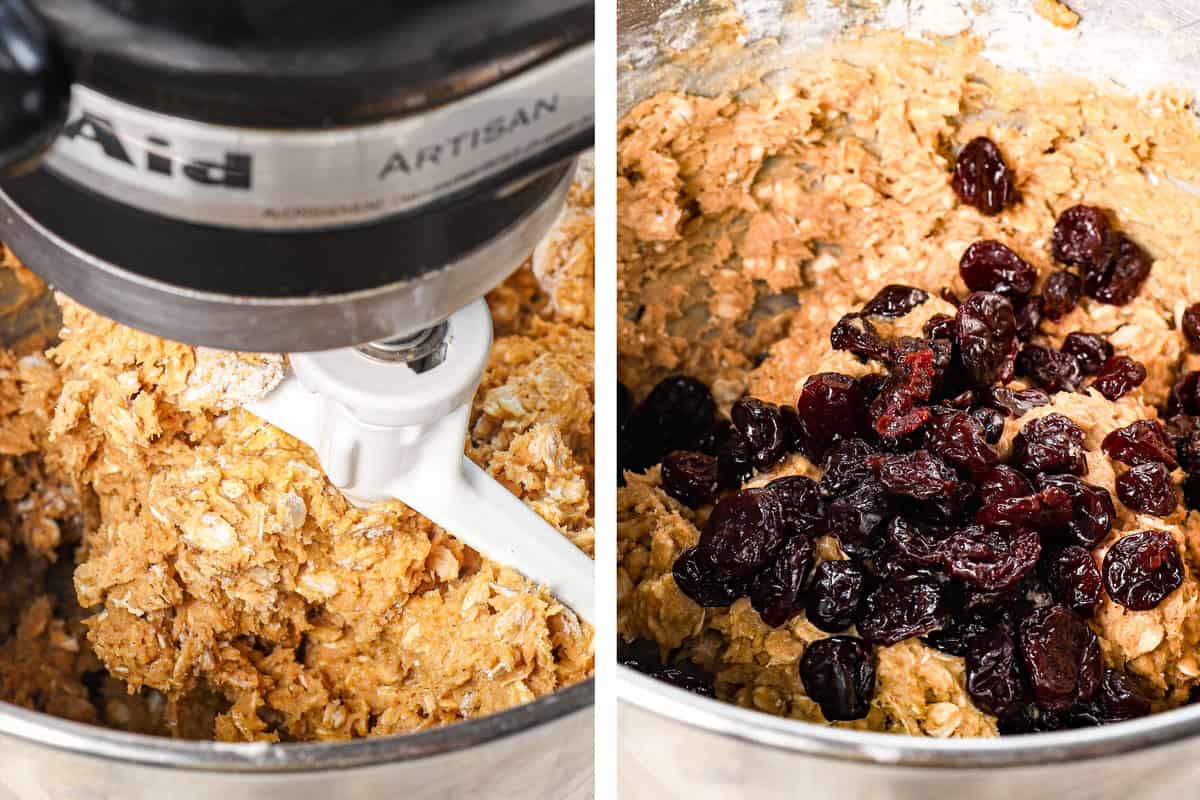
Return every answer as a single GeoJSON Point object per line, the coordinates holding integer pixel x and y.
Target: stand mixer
{"type": "Point", "coordinates": [281, 175]}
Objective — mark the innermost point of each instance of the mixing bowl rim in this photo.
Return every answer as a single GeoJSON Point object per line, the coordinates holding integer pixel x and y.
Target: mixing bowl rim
{"type": "Point", "coordinates": [260, 757]}
{"type": "Point", "coordinates": [896, 750]}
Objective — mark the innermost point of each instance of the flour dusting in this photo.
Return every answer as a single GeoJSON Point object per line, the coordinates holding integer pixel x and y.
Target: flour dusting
{"type": "Point", "coordinates": [225, 380]}
{"type": "Point", "coordinates": [1139, 46]}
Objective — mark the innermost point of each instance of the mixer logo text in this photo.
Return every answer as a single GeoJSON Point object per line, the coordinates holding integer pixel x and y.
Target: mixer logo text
{"type": "Point", "coordinates": [233, 171]}
{"type": "Point", "coordinates": [436, 154]}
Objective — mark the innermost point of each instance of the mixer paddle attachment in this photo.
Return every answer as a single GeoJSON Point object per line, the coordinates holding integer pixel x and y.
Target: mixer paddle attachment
{"type": "Point", "coordinates": [389, 420]}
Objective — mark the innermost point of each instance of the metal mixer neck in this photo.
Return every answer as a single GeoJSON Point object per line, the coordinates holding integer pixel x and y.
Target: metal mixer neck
{"type": "Point", "coordinates": [374, 411]}
{"type": "Point", "coordinates": [421, 352]}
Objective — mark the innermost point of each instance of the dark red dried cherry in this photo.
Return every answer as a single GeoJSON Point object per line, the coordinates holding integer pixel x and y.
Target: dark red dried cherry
{"type": "Point", "coordinates": [691, 478]}
{"type": "Point", "coordinates": [1093, 509]}
{"type": "Point", "coordinates": [995, 679]}
{"type": "Point", "coordinates": [744, 532]}
{"type": "Point", "coordinates": [955, 639]}
{"type": "Point", "coordinates": [1015, 402]}
{"type": "Point", "coordinates": [845, 467]}
{"type": "Point", "coordinates": [987, 338]}
{"type": "Point", "coordinates": [1118, 699]}
{"type": "Point", "coordinates": [778, 591]}
{"type": "Point", "coordinates": [895, 300]}
{"type": "Point", "coordinates": [856, 516]}
{"type": "Point", "coordinates": [735, 461]}
{"type": "Point", "coordinates": [1141, 442]}
{"type": "Point", "coordinates": [1050, 369]}
{"type": "Point", "coordinates": [1185, 395]}
{"type": "Point", "coordinates": [830, 406]}
{"type": "Point", "coordinates": [1148, 488]}
{"type": "Point", "coordinates": [835, 595]}
{"type": "Point", "coordinates": [961, 439]}
{"type": "Point", "coordinates": [939, 326]}
{"type": "Point", "coordinates": [991, 559]}
{"type": "Point", "coordinates": [801, 503]}
{"type": "Point", "coordinates": [1027, 311]}
{"type": "Point", "coordinates": [1053, 444]}
{"type": "Point", "coordinates": [856, 334]}
{"type": "Point", "coordinates": [1062, 657]}
{"type": "Point", "coordinates": [672, 417]}
{"type": "Point", "coordinates": [1091, 350]}
{"type": "Point", "coordinates": [1083, 238]}
{"type": "Point", "coordinates": [715, 437]}
{"type": "Point", "coordinates": [989, 266]}
{"type": "Point", "coordinates": [1191, 327]}
{"type": "Point", "coordinates": [1184, 433]}
{"type": "Point", "coordinates": [901, 406]}
{"type": "Point", "coordinates": [919, 475]}
{"type": "Point", "coordinates": [982, 179]}
{"type": "Point", "coordinates": [1074, 578]}
{"type": "Point", "coordinates": [1047, 512]}
{"type": "Point", "coordinates": [839, 674]}
{"type": "Point", "coordinates": [898, 610]}
{"type": "Point", "coordinates": [685, 680]}
{"type": "Point", "coordinates": [1002, 482]}
{"type": "Point", "coordinates": [1142, 569]}
{"type": "Point", "coordinates": [1061, 294]}
{"type": "Point", "coordinates": [1119, 376]}
{"type": "Point", "coordinates": [910, 553]}
{"type": "Point", "coordinates": [992, 422]}
{"type": "Point", "coordinates": [706, 585]}
{"type": "Point", "coordinates": [1121, 279]}
{"type": "Point", "coordinates": [761, 426]}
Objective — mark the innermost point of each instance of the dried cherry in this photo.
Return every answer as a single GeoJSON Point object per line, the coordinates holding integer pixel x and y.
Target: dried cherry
{"type": "Point", "coordinates": [1142, 569]}
{"type": "Point", "coordinates": [989, 266]}
{"type": "Point", "coordinates": [778, 591]}
{"type": "Point", "coordinates": [839, 674]}
{"type": "Point", "coordinates": [898, 610]}
{"type": "Point", "coordinates": [1053, 444]}
{"type": "Point", "coordinates": [1061, 656]}
{"type": "Point", "coordinates": [691, 478]}
{"type": "Point", "coordinates": [987, 338]}
{"type": "Point", "coordinates": [743, 532]}
{"type": "Point", "coordinates": [895, 300]}
{"type": "Point", "coordinates": [995, 679]}
{"type": "Point", "coordinates": [1142, 442]}
{"type": "Point", "coordinates": [1147, 488]}
{"type": "Point", "coordinates": [1091, 350]}
{"type": "Point", "coordinates": [981, 177]}
{"type": "Point", "coordinates": [1061, 294]}
{"type": "Point", "coordinates": [835, 595]}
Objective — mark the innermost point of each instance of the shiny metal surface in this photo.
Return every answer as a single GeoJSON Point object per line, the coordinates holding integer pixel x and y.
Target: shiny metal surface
{"type": "Point", "coordinates": [294, 324]}
{"type": "Point", "coordinates": [539, 750]}
{"type": "Point", "coordinates": [672, 743]}
{"type": "Point", "coordinates": [676, 744]}
{"type": "Point", "coordinates": [421, 351]}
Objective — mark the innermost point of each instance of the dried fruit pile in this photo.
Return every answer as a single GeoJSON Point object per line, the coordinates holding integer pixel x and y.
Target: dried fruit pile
{"type": "Point", "coordinates": [983, 556]}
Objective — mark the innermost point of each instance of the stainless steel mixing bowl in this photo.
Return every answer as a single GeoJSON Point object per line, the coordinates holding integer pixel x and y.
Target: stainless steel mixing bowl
{"type": "Point", "coordinates": [539, 750]}
{"type": "Point", "coordinates": [542, 750]}
{"type": "Point", "coordinates": [676, 744]}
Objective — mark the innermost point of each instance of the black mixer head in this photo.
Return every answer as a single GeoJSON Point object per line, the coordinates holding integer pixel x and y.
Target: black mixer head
{"type": "Point", "coordinates": [293, 174]}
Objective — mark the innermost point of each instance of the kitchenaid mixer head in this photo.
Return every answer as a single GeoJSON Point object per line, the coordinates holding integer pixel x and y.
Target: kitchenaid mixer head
{"type": "Point", "coordinates": [264, 176]}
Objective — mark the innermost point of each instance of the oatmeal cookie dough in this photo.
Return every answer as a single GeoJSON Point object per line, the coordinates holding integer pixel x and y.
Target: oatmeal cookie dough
{"type": "Point", "coordinates": [180, 567]}
{"type": "Point", "coordinates": [531, 424]}
{"type": "Point", "coordinates": [750, 223]}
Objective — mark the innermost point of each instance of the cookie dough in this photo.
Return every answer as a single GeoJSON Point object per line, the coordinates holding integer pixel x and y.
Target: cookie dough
{"type": "Point", "coordinates": [749, 223]}
{"type": "Point", "coordinates": [174, 565]}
